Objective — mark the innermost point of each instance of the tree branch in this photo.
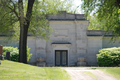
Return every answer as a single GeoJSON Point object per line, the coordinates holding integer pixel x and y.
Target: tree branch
{"type": "Point", "coordinates": [118, 3]}
{"type": "Point", "coordinates": [5, 15]}
{"type": "Point", "coordinates": [21, 12]}
{"type": "Point", "coordinates": [29, 10]}
{"type": "Point", "coordinates": [14, 9]}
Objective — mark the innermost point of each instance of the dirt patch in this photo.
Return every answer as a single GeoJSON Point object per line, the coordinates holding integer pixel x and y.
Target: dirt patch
{"type": "Point", "coordinates": [78, 74]}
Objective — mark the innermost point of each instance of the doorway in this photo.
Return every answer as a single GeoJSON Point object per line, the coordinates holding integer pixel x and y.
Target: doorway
{"type": "Point", "coordinates": [61, 58]}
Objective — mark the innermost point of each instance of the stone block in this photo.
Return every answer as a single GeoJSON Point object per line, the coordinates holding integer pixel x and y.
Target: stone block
{"type": "Point", "coordinates": [81, 63]}
{"type": "Point", "coordinates": [81, 59]}
{"type": "Point", "coordinates": [40, 44]}
{"type": "Point", "coordinates": [82, 51]}
{"type": "Point", "coordinates": [70, 16]}
{"type": "Point", "coordinates": [41, 64]}
{"type": "Point", "coordinates": [41, 59]}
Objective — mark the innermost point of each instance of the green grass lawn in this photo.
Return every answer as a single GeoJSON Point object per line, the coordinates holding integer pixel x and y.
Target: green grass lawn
{"type": "Point", "coordinates": [90, 74]}
{"type": "Point", "coordinates": [114, 71]}
{"type": "Point", "coordinates": [17, 71]}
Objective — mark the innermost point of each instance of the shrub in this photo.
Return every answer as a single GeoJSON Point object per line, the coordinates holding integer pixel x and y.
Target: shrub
{"type": "Point", "coordinates": [28, 55]}
{"type": "Point", "coordinates": [109, 57]}
{"type": "Point", "coordinates": [14, 53]}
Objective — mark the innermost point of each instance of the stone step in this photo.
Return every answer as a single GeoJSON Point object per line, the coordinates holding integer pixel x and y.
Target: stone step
{"type": "Point", "coordinates": [81, 63]}
{"type": "Point", "coordinates": [41, 64]}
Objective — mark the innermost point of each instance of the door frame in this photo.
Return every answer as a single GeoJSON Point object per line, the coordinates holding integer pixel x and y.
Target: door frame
{"type": "Point", "coordinates": [61, 56]}
{"type": "Point", "coordinates": [60, 47]}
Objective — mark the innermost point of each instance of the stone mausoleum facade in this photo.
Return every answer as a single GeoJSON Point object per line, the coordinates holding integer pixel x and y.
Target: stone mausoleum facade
{"type": "Point", "coordinates": [70, 44]}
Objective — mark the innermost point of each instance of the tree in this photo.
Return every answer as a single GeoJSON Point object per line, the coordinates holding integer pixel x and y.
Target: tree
{"type": "Point", "coordinates": [107, 10]}
{"type": "Point", "coordinates": [28, 15]}
{"type": "Point", "coordinates": [95, 24]}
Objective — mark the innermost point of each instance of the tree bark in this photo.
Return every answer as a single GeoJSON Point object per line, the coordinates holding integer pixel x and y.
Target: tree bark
{"type": "Point", "coordinates": [24, 25]}
{"type": "Point", "coordinates": [118, 3]}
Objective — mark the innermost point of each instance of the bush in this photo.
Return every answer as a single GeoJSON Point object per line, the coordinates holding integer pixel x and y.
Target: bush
{"type": "Point", "coordinates": [109, 57]}
{"type": "Point", "coordinates": [28, 55]}
{"type": "Point", "coordinates": [14, 53]}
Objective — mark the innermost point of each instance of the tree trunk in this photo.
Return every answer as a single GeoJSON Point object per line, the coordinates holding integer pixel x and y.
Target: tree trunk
{"type": "Point", "coordinates": [23, 43]}
{"type": "Point", "coordinates": [24, 25]}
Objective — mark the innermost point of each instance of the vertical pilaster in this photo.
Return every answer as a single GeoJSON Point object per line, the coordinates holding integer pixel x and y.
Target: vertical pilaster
{"type": "Point", "coordinates": [40, 48]}
{"type": "Point", "coordinates": [81, 42]}
{"type": "Point", "coordinates": [81, 39]}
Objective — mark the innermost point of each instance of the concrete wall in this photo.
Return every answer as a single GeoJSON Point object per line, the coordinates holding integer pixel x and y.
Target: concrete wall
{"type": "Point", "coordinates": [41, 48]}
{"type": "Point", "coordinates": [38, 48]}
{"type": "Point", "coordinates": [81, 38]}
{"type": "Point", "coordinates": [69, 33]}
{"type": "Point", "coordinates": [5, 41]}
{"type": "Point", "coordinates": [73, 32]}
{"type": "Point", "coordinates": [94, 44]}
{"type": "Point", "coordinates": [66, 16]}
{"type": "Point", "coordinates": [31, 43]}
{"type": "Point", "coordinates": [64, 32]}
{"type": "Point", "coordinates": [107, 43]}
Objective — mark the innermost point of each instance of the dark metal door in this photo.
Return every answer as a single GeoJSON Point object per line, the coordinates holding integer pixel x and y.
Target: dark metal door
{"type": "Point", "coordinates": [61, 58]}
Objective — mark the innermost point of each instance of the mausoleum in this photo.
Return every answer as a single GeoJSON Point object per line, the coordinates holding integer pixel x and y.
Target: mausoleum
{"type": "Point", "coordinates": [70, 44]}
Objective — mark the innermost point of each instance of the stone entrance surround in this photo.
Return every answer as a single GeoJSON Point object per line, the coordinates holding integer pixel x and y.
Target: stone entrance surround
{"type": "Point", "coordinates": [60, 47]}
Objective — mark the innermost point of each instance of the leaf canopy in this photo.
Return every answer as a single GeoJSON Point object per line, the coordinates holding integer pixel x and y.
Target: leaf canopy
{"type": "Point", "coordinates": [107, 12]}
{"type": "Point", "coordinates": [39, 25]}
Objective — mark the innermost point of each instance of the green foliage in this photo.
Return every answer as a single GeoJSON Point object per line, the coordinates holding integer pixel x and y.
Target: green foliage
{"type": "Point", "coordinates": [104, 10]}
{"type": "Point", "coordinates": [14, 53]}
{"type": "Point", "coordinates": [28, 55]}
{"type": "Point", "coordinates": [41, 10]}
{"type": "Point", "coordinates": [39, 25]}
{"type": "Point", "coordinates": [29, 16]}
{"type": "Point", "coordinates": [95, 24]}
{"type": "Point", "coordinates": [109, 57]}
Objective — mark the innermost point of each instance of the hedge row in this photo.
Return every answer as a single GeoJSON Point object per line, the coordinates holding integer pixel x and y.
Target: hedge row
{"type": "Point", "coordinates": [109, 57]}
{"type": "Point", "coordinates": [14, 53]}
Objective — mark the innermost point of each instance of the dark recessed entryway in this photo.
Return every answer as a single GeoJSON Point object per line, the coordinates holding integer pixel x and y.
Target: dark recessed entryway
{"type": "Point", "coordinates": [61, 58]}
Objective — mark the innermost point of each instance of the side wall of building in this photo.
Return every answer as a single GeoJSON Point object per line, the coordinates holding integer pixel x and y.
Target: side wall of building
{"type": "Point", "coordinates": [41, 48]}
{"type": "Point", "coordinates": [93, 46]}
{"type": "Point", "coordinates": [95, 43]}
{"type": "Point", "coordinates": [31, 43]}
{"type": "Point", "coordinates": [5, 41]}
{"type": "Point", "coordinates": [107, 43]}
